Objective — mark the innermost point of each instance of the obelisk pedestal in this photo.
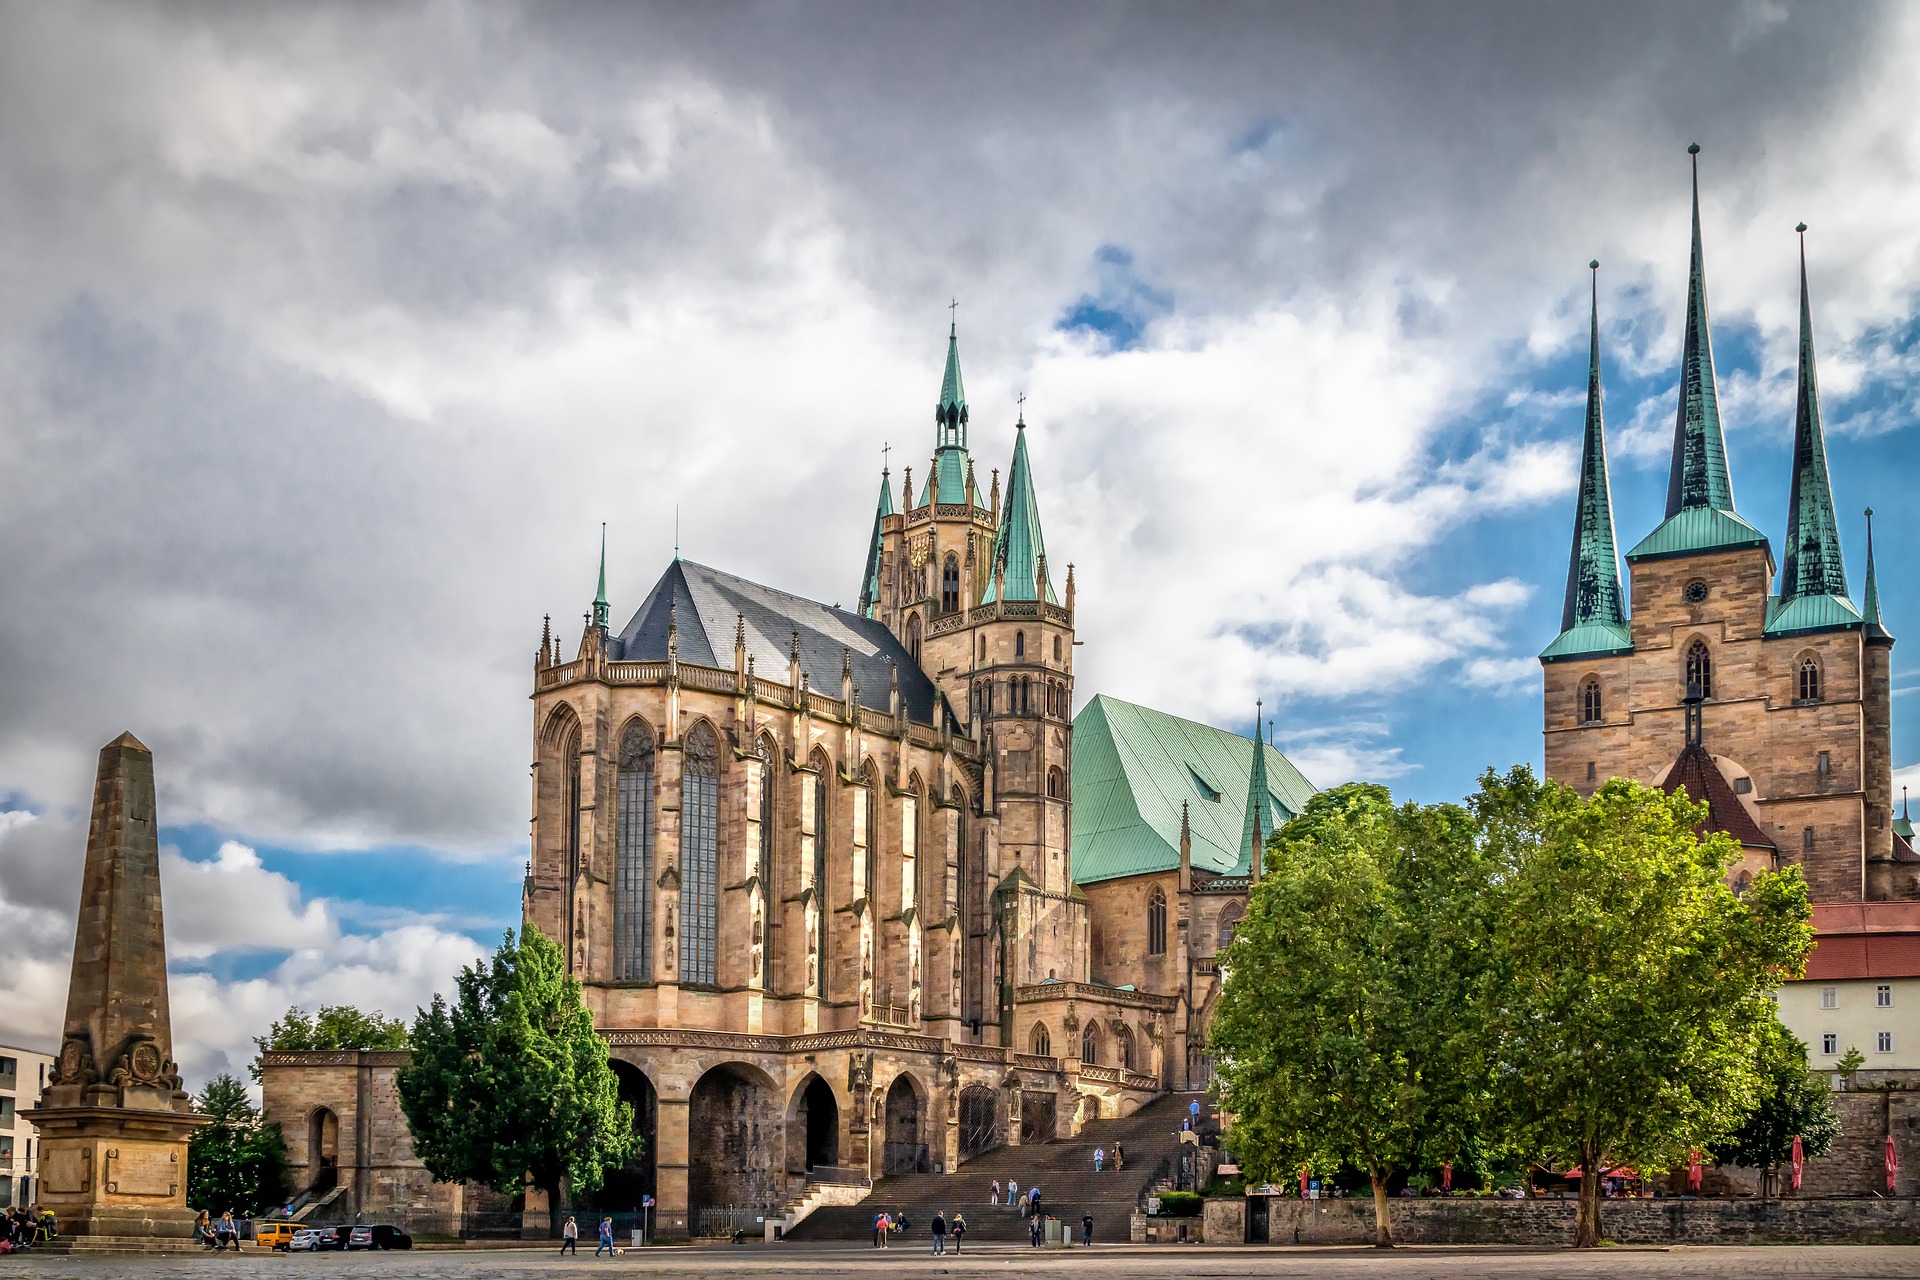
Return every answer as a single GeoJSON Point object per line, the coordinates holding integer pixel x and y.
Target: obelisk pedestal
{"type": "Point", "coordinates": [114, 1119]}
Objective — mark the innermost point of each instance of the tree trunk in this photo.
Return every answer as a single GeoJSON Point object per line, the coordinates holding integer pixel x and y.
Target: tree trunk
{"type": "Point", "coordinates": [1586, 1223]}
{"type": "Point", "coordinates": [1382, 1221]}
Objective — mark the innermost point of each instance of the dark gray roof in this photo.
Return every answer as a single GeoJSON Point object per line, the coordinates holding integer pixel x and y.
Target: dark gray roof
{"type": "Point", "coordinates": [708, 603]}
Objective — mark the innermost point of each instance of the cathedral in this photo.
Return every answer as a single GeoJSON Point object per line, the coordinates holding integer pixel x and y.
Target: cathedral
{"type": "Point", "coordinates": [821, 872]}
{"type": "Point", "coordinates": [1761, 687]}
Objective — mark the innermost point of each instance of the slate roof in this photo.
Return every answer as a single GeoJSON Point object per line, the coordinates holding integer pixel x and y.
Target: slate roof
{"type": "Point", "coordinates": [707, 602]}
{"type": "Point", "coordinates": [1694, 770]}
{"type": "Point", "coordinates": [1134, 766]}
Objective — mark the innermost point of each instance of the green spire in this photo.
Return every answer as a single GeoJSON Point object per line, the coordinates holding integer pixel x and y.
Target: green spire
{"type": "Point", "coordinates": [600, 606]}
{"type": "Point", "coordinates": [1876, 625]}
{"type": "Point", "coordinates": [950, 415]}
{"type": "Point", "coordinates": [1258, 824]}
{"type": "Point", "coordinates": [1810, 564]}
{"type": "Point", "coordinates": [1699, 477]}
{"type": "Point", "coordinates": [1019, 549]}
{"type": "Point", "coordinates": [870, 581]}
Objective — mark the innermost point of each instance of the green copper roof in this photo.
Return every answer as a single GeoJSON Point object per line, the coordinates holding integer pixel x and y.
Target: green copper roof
{"type": "Point", "coordinates": [1810, 563]}
{"type": "Point", "coordinates": [1134, 767]}
{"type": "Point", "coordinates": [947, 478]}
{"type": "Point", "coordinates": [1595, 610]}
{"type": "Point", "coordinates": [601, 608]}
{"type": "Point", "coordinates": [1697, 529]}
{"type": "Point", "coordinates": [1876, 625]}
{"type": "Point", "coordinates": [1260, 806]}
{"type": "Point", "coordinates": [1803, 614]}
{"type": "Point", "coordinates": [870, 581]}
{"type": "Point", "coordinates": [1019, 546]}
{"type": "Point", "coordinates": [1699, 477]}
{"type": "Point", "coordinates": [952, 394]}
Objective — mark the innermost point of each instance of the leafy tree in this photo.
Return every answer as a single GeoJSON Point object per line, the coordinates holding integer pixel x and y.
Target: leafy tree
{"type": "Point", "coordinates": [1795, 1102]}
{"type": "Point", "coordinates": [1850, 1061]}
{"type": "Point", "coordinates": [336, 1026]}
{"type": "Point", "coordinates": [510, 1081]}
{"type": "Point", "coordinates": [237, 1162]}
{"type": "Point", "coordinates": [1343, 1030]}
{"type": "Point", "coordinates": [1633, 995]}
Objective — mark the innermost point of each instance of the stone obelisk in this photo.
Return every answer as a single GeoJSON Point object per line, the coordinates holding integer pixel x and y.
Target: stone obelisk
{"type": "Point", "coordinates": [114, 1119]}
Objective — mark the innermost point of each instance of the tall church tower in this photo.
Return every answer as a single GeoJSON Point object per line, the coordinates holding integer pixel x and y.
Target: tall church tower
{"type": "Point", "coordinates": [966, 586]}
{"type": "Point", "coordinates": [1786, 693]}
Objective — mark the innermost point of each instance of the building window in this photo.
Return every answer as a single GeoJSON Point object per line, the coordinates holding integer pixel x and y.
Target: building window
{"type": "Point", "coordinates": [1823, 765]}
{"type": "Point", "coordinates": [1829, 1043]}
{"type": "Point", "coordinates": [1228, 922]}
{"type": "Point", "coordinates": [1829, 997]}
{"type": "Point", "coordinates": [769, 757]}
{"type": "Point", "coordinates": [1699, 669]}
{"type": "Point", "coordinates": [1041, 1041]}
{"type": "Point", "coordinates": [633, 849]}
{"type": "Point", "coordinates": [1090, 1045]}
{"type": "Point", "coordinates": [1019, 644]}
{"type": "Point", "coordinates": [1883, 996]}
{"type": "Point", "coordinates": [1883, 1042]}
{"type": "Point", "coordinates": [1593, 771]}
{"type": "Point", "coordinates": [821, 827]}
{"type": "Point", "coordinates": [1056, 784]}
{"type": "Point", "coordinates": [1806, 840]}
{"type": "Point", "coordinates": [1056, 648]}
{"type": "Point", "coordinates": [1742, 883]}
{"type": "Point", "coordinates": [1590, 702]}
{"type": "Point", "coordinates": [699, 855]}
{"type": "Point", "coordinates": [950, 585]}
{"type": "Point", "coordinates": [1157, 923]}
{"type": "Point", "coordinates": [1809, 687]}
{"type": "Point", "coordinates": [913, 637]}
{"type": "Point", "coordinates": [1125, 1039]}
{"type": "Point", "coordinates": [1742, 786]}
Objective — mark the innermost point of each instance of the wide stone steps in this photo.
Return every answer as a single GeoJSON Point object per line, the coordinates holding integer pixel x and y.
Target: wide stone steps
{"type": "Point", "coordinates": [1062, 1169]}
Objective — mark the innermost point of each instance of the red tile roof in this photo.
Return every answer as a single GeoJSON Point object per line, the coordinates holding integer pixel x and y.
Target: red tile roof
{"type": "Point", "coordinates": [1865, 940]}
{"type": "Point", "coordinates": [1695, 770]}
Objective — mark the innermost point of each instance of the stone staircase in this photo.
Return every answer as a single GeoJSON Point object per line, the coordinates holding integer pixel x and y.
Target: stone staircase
{"type": "Point", "coordinates": [814, 1196]}
{"type": "Point", "coordinates": [1063, 1169]}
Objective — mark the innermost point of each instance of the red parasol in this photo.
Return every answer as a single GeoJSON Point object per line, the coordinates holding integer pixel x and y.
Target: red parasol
{"type": "Point", "coordinates": [1303, 1182]}
{"type": "Point", "coordinates": [1693, 1170]}
{"type": "Point", "coordinates": [1799, 1161]}
{"type": "Point", "coordinates": [1446, 1175]}
{"type": "Point", "coordinates": [1893, 1164]}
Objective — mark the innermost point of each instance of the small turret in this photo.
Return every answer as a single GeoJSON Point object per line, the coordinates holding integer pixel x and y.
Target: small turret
{"type": "Point", "coordinates": [1186, 851]}
{"type": "Point", "coordinates": [600, 606]}
{"type": "Point", "coordinates": [1870, 603]}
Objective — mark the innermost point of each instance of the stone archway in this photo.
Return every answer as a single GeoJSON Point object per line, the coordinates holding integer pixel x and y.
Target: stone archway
{"type": "Point", "coordinates": [905, 1150]}
{"type": "Point", "coordinates": [813, 1128]}
{"type": "Point", "coordinates": [979, 1120]}
{"type": "Point", "coordinates": [733, 1131]}
{"type": "Point", "coordinates": [1037, 1112]}
{"type": "Point", "coordinates": [625, 1189]}
{"type": "Point", "coordinates": [323, 1149]}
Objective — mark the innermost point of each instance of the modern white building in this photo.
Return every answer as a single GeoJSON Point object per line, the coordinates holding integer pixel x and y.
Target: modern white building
{"type": "Point", "coordinates": [1862, 988]}
{"type": "Point", "coordinates": [23, 1073]}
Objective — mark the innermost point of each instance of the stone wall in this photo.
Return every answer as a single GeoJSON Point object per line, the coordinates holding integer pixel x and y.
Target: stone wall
{"type": "Point", "coordinates": [1669, 1221]}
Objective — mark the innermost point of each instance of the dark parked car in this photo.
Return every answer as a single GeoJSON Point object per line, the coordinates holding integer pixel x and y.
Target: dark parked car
{"type": "Point", "coordinates": [379, 1236]}
{"type": "Point", "coordinates": [318, 1239]}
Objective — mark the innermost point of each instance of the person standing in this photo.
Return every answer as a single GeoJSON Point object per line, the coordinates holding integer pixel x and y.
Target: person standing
{"type": "Point", "coordinates": [1013, 1191]}
{"type": "Point", "coordinates": [570, 1238]}
{"type": "Point", "coordinates": [1119, 1157]}
{"type": "Point", "coordinates": [606, 1238]}
{"type": "Point", "coordinates": [958, 1230]}
{"type": "Point", "coordinates": [993, 1197]}
{"type": "Point", "coordinates": [1099, 1158]}
{"type": "Point", "coordinates": [1036, 1230]}
{"type": "Point", "coordinates": [1086, 1229]}
{"type": "Point", "coordinates": [939, 1232]}
{"type": "Point", "coordinates": [880, 1226]}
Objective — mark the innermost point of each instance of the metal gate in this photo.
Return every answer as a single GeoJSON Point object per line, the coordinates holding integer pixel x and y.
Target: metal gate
{"type": "Point", "coordinates": [979, 1120]}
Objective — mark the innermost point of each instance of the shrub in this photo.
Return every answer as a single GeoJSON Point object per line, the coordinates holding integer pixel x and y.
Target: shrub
{"type": "Point", "coordinates": [1179, 1204]}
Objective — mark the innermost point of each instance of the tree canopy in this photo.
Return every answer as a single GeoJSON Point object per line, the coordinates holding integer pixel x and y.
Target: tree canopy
{"type": "Point", "coordinates": [1794, 1102]}
{"type": "Point", "coordinates": [238, 1162]}
{"type": "Point", "coordinates": [336, 1026]}
{"type": "Point", "coordinates": [510, 1081]}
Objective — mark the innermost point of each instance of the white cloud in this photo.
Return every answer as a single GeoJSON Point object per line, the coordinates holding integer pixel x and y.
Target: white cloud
{"type": "Point", "coordinates": [1504, 676]}
{"type": "Point", "coordinates": [233, 903]}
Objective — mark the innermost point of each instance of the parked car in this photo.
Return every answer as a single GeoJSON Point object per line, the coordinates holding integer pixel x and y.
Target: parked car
{"type": "Point", "coordinates": [379, 1236]}
{"type": "Point", "coordinates": [273, 1235]}
{"type": "Point", "coordinates": [317, 1239]}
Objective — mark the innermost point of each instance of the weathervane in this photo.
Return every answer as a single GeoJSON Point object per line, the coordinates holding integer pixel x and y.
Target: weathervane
{"type": "Point", "coordinates": [886, 456]}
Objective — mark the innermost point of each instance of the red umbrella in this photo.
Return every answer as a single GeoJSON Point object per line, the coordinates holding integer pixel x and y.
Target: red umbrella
{"type": "Point", "coordinates": [1446, 1175]}
{"type": "Point", "coordinates": [1799, 1161]}
{"type": "Point", "coordinates": [1303, 1182]}
{"type": "Point", "coordinates": [1893, 1163]}
{"type": "Point", "coordinates": [1693, 1170]}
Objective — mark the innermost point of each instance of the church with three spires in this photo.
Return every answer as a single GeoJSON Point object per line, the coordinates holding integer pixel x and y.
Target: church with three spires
{"type": "Point", "coordinates": [1761, 687]}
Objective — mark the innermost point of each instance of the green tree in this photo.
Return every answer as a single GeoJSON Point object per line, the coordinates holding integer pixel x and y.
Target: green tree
{"type": "Point", "coordinates": [1343, 1032]}
{"type": "Point", "coordinates": [1632, 1001]}
{"type": "Point", "coordinates": [336, 1026]}
{"type": "Point", "coordinates": [510, 1081]}
{"type": "Point", "coordinates": [237, 1162]}
{"type": "Point", "coordinates": [1795, 1102]}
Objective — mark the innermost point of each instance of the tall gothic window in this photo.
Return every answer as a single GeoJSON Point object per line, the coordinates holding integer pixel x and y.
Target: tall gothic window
{"type": "Point", "coordinates": [1809, 689]}
{"type": "Point", "coordinates": [769, 758]}
{"type": "Point", "coordinates": [633, 843]}
{"type": "Point", "coordinates": [1590, 701]}
{"type": "Point", "coordinates": [1019, 644]}
{"type": "Point", "coordinates": [868, 783]}
{"type": "Point", "coordinates": [821, 827]}
{"type": "Point", "coordinates": [1056, 784]}
{"type": "Point", "coordinates": [1124, 1040]}
{"type": "Point", "coordinates": [1700, 668]}
{"type": "Point", "coordinates": [699, 855]}
{"type": "Point", "coordinates": [913, 637]}
{"type": "Point", "coordinates": [1229, 921]}
{"type": "Point", "coordinates": [1157, 923]}
{"type": "Point", "coordinates": [950, 585]}
{"type": "Point", "coordinates": [1090, 1045]}
{"type": "Point", "coordinates": [1042, 1042]}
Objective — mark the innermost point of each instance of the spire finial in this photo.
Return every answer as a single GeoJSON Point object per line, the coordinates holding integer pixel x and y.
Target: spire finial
{"type": "Point", "coordinates": [953, 318]}
{"type": "Point", "coordinates": [886, 456]}
{"type": "Point", "coordinates": [1810, 563]}
{"type": "Point", "coordinates": [600, 606]}
{"type": "Point", "coordinates": [1021, 424]}
{"type": "Point", "coordinates": [1870, 602]}
{"type": "Point", "coordinates": [1699, 475]}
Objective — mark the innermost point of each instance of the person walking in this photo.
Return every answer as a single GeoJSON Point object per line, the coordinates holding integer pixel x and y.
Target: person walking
{"type": "Point", "coordinates": [1099, 1158]}
{"type": "Point", "coordinates": [993, 1197]}
{"type": "Point", "coordinates": [958, 1230]}
{"type": "Point", "coordinates": [1086, 1229]}
{"type": "Point", "coordinates": [570, 1238]}
{"type": "Point", "coordinates": [939, 1232]}
{"type": "Point", "coordinates": [606, 1238]}
{"type": "Point", "coordinates": [1119, 1157]}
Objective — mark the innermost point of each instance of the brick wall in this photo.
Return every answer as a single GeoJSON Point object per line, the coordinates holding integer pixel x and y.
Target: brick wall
{"type": "Point", "coordinates": [1803, 1221]}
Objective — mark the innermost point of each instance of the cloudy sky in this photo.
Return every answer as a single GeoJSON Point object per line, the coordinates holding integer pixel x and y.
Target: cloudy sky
{"type": "Point", "coordinates": [330, 334]}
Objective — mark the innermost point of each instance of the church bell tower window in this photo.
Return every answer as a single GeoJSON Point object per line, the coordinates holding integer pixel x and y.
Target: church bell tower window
{"type": "Point", "coordinates": [950, 585]}
{"type": "Point", "coordinates": [1157, 923]}
{"type": "Point", "coordinates": [1808, 689]}
{"type": "Point", "coordinates": [1590, 702]}
{"type": "Point", "coordinates": [1699, 669]}
{"type": "Point", "coordinates": [633, 902]}
{"type": "Point", "coordinates": [1019, 644]}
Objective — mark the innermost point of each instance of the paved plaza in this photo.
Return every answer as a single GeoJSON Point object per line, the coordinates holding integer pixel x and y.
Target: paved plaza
{"type": "Point", "coordinates": [1154, 1261]}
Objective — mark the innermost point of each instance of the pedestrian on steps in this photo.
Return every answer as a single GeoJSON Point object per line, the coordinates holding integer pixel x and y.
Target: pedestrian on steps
{"type": "Point", "coordinates": [880, 1228]}
{"type": "Point", "coordinates": [570, 1238]}
{"type": "Point", "coordinates": [1013, 1190]}
{"type": "Point", "coordinates": [1119, 1157]}
{"type": "Point", "coordinates": [958, 1230]}
{"type": "Point", "coordinates": [1036, 1230]}
{"type": "Point", "coordinates": [993, 1197]}
{"type": "Point", "coordinates": [1099, 1158]}
{"type": "Point", "coordinates": [939, 1232]}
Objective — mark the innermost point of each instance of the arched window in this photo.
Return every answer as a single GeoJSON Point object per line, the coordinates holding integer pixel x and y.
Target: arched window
{"type": "Point", "coordinates": [1590, 701]}
{"type": "Point", "coordinates": [1742, 883]}
{"type": "Point", "coordinates": [821, 830]}
{"type": "Point", "coordinates": [1157, 923]}
{"type": "Point", "coordinates": [1229, 921]}
{"type": "Point", "coordinates": [1124, 1043]}
{"type": "Point", "coordinates": [1090, 1045]}
{"type": "Point", "coordinates": [633, 849]}
{"type": "Point", "coordinates": [1056, 784]}
{"type": "Point", "coordinates": [913, 637]}
{"type": "Point", "coordinates": [1809, 686]}
{"type": "Point", "coordinates": [1700, 668]}
{"type": "Point", "coordinates": [1019, 644]}
{"type": "Point", "coordinates": [699, 854]}
{"type": "Point", "coordinates": [950, 585]}
{"type": "Point", "coordinates": [769, 770]}
{"type": "Point", "coordinates": [870, 785]}
{"type": "Point", "coordinates": [988, 690]}
{"type": "Point", "coordinates": [1042, 1042]}
{"type": "Point", "coordinates": [1056, 648]}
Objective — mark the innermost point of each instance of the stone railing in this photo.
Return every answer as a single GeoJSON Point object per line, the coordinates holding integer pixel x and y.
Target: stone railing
{"type": "Point", "coordinates": [1105, 1075]}
{"type": "Point", "coordinates": [890, 1015]}
{"type": "Point", "coordinates": [1054, 991]}
{"type": "Point", "coordinates": [1035, 1062]}
{"type": "Point", "coordinates": [1141, 1080]}
{"type": "Point", "coordinates": [947, 622]}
